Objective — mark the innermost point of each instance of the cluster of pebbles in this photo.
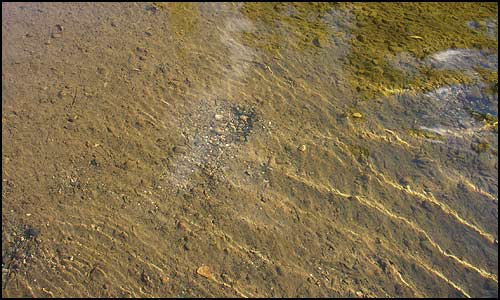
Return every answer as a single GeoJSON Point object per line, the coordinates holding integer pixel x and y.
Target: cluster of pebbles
{"type": "Point", "coordinates": [213, 134]}
{"type": "Point", "coordinates": [231, 127]}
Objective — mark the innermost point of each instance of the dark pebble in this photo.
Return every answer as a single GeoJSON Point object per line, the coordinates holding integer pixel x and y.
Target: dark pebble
{"type": "Point", "coordinates": [31, 232]}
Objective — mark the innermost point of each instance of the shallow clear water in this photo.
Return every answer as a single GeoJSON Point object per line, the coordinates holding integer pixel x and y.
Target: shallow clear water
{"type": "Point", "coordinates": [219, 149]}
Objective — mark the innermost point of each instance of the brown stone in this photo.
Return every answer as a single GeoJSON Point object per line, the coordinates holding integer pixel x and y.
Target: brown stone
{"type": "Point", "coordinates": [205, 272]}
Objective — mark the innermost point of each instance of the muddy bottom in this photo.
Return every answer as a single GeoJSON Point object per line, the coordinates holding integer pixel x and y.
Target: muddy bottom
{"type": "Point", "coordinates": [241, 150]}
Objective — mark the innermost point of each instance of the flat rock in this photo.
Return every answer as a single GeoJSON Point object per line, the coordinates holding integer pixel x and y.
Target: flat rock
{"type": "Point", "coordinates": [205, 272]}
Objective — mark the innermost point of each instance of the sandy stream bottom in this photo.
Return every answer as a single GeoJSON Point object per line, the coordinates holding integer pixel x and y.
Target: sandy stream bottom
{"type": "Point", "coordinates": [145, 154]}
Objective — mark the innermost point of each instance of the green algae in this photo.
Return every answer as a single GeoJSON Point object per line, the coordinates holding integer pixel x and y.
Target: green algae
{"type": "Point", "coordinates": [488, 120]}
{"type": "Point", "coordinates": [302, 20]}
{"type": "Point", "coordinates": [183, 17]}
{"type": "Point", "coordinates": [484, 117]}
{"type": "Point", "coordinates": [489, 77]}
{"type": "Point", "coordinates": [417, 132]}
{"type": "Point", "coordinates": [481, 147]}
{"type": "Point", "coordinates": [420, 29]}
{"type": "Point", "coordinates": [380, 32]}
